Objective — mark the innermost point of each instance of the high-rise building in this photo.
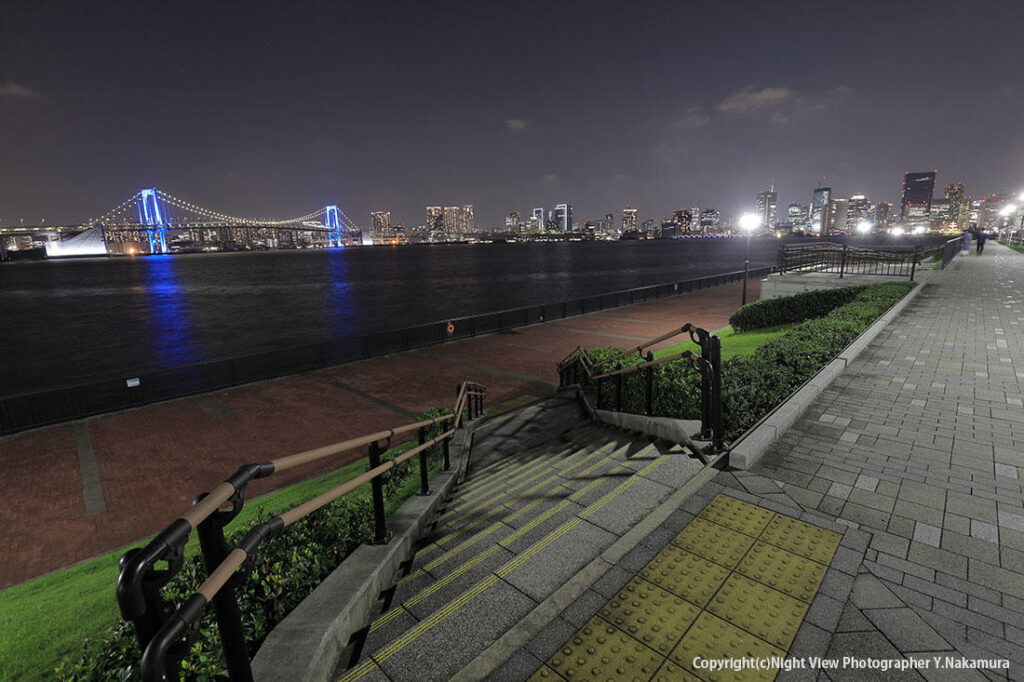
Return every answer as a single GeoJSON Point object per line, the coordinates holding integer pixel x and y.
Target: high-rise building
{"type": "Point", "coordinates": [767, 202]}
{"type": "Point", "coordinates": [512, 223]}
{"type": "Point", "coordinates": [710, 219]}
{"type": "Point", "coordinates": [629, 219]}
{"type": "Point", "coordinates": [797, 215]}
{"type": "Point", "coordinates": [916, 200]}
{"type": "Point", "coordinates": [435, 218]}
{"type": "Point", "coordinates": [821, 210]}
{"type": "Point", "coordinates": [840, 211]}
{"type": "Point", "coordinates": [683, 219]}
{"type": "Point", "coordinates": [858, 211]}
{"type": "Point", "coordinates": [939, 216]}
{"type": "Point", "coordinates": [562, 217]}
{"type": "Point", "coordinates": [883, 214]}
{"type": "Point", "coordinates": [468, 219]}
{"type": "Point", "coordinates": [537, 220]}
{"type": "Point", "coordinates": [380, 223]}
{"type": "Point", "coordinates": [959, 207]}
{"type": "Point", "coordinates": [453, 224]}
{"type": "Point", "coordinates": [988, 211]}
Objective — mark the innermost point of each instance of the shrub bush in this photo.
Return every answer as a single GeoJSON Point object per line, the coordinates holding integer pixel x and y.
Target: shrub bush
{"type": "Point", "coordinates": [287, 568]}
{"type": "Point", "coordinates": [752, 385]}
{"type": "Point", "coordinates": [788, 309]}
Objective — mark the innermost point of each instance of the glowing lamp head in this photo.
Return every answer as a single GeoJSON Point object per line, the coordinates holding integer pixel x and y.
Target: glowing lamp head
{"type": "Point", "coordinates": [1008, 210]}
{"type": "Point", "coordinates": [863, 227]}
{"type": "Point", "coordinates": [897, 231]}
{"type": "Point", "coordinates": [749, 222]}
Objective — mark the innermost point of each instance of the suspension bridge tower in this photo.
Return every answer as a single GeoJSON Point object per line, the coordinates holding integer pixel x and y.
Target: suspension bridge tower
{"type": "Point", "coordinates": [332, 221]}
{"type": "Point", "coordinates": [153, 215]}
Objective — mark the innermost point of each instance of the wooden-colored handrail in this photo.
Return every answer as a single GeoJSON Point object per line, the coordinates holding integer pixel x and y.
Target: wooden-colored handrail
{"type": "Point", "coordinates": [627, 370]}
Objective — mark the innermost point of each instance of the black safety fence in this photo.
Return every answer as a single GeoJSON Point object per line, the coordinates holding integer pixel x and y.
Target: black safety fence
{"type": "Point", "coordinates": [950, 249]}
{"type": "Point", "coordinates": [844, 259]}
{"type": "Point", "coordinates": [30, 410]}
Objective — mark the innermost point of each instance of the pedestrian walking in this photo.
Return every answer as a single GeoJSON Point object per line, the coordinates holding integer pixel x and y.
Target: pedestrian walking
{"type": "Point", "coordinates": [981, 242]}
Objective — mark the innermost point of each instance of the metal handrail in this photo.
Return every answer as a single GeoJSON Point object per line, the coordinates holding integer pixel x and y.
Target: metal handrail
{"type": "Point", "coordinates": [139, 583]}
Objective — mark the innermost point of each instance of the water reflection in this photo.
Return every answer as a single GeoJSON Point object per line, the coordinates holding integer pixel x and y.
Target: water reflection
{"type": "Point", "coordinates": [173, 337]}
{"type": "Point", "coordinates": [340, 301]}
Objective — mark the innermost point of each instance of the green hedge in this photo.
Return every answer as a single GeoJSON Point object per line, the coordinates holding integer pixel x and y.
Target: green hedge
{"type": "Point", "coordinates": [788, 309]}
{"type": "Point", "coordinates": [287, 568]}
{"type": "Point", "coordinates": [752, 385]}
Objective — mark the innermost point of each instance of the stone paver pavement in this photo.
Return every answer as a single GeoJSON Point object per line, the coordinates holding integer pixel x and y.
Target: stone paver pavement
{"type": "Point", "coordinates": [921, 443]}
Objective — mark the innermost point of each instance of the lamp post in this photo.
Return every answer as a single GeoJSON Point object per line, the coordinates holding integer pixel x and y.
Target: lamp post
{"type": "Point", "coordinates": [748, 223]}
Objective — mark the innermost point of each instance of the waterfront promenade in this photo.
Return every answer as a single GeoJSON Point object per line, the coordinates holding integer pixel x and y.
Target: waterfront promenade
{"type": "Point", "coordinates": [72, 491]}
{"type": "Point", "coordinates": [914, 458]}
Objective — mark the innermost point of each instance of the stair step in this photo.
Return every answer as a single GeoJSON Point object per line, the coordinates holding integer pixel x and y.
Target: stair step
{"type": "Point", "coordinates": [516, 563]}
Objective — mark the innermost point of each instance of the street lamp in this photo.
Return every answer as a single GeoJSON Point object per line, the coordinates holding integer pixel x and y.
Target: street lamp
{"type": "Point", "coordinates": [748, 223]}
{"type": "Point", "coordinates": [864, 227]}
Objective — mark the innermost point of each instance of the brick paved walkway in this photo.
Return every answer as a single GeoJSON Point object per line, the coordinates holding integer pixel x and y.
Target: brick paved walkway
{"type": "Point", "coordinates": [73, 491]}
{"type": "Point", "coordinates": [921, 443]}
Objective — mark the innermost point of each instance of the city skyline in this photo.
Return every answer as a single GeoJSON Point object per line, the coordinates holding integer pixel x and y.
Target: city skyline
{"type": "Point", "coordinates": [350, 106]}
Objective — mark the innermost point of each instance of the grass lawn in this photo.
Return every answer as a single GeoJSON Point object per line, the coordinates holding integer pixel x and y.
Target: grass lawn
{"type": "Point", "coordinates": [45, 620]}
{"type": "Point", "coordinates": [1016, 247]}
{"type": "Point", "coordinates": [733, 343]}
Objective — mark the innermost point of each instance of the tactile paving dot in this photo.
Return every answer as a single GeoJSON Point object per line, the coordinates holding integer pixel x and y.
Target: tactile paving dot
{"type": "Point", "coordinates": [650, 614]}
{"type": "Point", "coordinates": [719, 544]}
{"type": "Point", "coordinates": [713, 638]}
{"type": "Point", "coordinates": [670, 672]}
{"type": "Point", "coordinates": [600, 651]}
{"type": "Point", "coordinates": [785, 571]}
{"type": "Point", "coordinates": [685, 574]}
{"type": "Point", "coordinates": [802, 538]}
{"type": "Point", "coordinates": [736, 514]}
{"type": "Point", "coordinates": [767, 613]}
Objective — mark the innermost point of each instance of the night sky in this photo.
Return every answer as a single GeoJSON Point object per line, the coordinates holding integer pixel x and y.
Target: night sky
{"type": "Point", "coordinates": [276, 109]}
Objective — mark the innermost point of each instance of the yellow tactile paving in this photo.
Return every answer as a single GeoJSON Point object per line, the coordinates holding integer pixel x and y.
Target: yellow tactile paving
{"type": "Point", "coordinates": [713, 638]}
{"type": "Point", "coordinates": [771, 615]}
{"type": "Point", "coordinates": [735, 583]}
{"type": "Point", "coordinates": [736, 514]}
{"type": "Point", "coordinates": [599, 651]}
{"type": "Point", "coordinates": [650, 614]}
{"type": "Point", "coordinates": [802, 538]}
{"type": "Point", "coordinates": [785, 571]}
{"type": "Point", "coordinates": [685, 574]}
{"type": "Point", "coordinates": [544, 674]}
{"type": "Point", "coordinates": [722, 545]}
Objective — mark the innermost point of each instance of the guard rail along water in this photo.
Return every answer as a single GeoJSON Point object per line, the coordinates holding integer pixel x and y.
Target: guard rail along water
{"type": "Point", "coordinates": [843, 259]}
{"type": "Point", "coordinates": [39, 408]}
{"type": "Point", "coordinates": [164, 639]}
{"type": "Point", "coordinates": [950, 249]}
{"type": "Point", "coordinates": [578, 369]}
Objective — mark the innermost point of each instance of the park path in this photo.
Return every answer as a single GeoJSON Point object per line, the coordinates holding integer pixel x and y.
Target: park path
{"type": "Point", "coordinates": [72, 491]}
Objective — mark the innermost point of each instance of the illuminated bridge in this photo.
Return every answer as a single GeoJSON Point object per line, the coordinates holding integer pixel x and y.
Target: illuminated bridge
{"type": "Point", "coordinates": [154, 222]}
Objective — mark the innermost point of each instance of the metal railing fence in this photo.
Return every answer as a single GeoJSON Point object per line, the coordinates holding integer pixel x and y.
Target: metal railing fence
{"type": "Point", "coordinates": [30, 410]}
{"type": "Point", "coordinates": [164, 639]}
{"type": "Point", "coordinates": [843, 259]}
{"type": "Point", "coordinates": [950, 249]}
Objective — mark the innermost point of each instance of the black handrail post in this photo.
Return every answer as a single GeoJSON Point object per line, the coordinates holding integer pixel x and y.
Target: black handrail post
{"type": "Point", "coordinates": [225, 604]}
{"type": "Point", "coordinates": [447, 466]}
{"type": "Point", "coordinates": [381, 536]}
{"type": "Point", "coordinates": [424, 478]}
{"type": "Point", "coordinates": [600, 385]}
{"type": "Point", "coordinates": [716, 392]}
{"type": "Point", "coordinates": [618, 393]}
{"type": "Point", "coordinates": [913, 264]}
{"type": "Point", "coordinates": [842, 263]}
{"type": "Point", "coordinates": [648, 390]}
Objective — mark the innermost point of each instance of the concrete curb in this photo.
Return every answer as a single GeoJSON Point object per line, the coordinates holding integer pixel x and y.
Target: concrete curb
{"type": "Point", "coordinates": [307, 644]}
{"type": "Point", "coordinates": [745, 453]}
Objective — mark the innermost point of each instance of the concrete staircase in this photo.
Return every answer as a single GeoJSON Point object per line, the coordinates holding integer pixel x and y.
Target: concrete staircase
{"type": "Point", "coordinates": [546, 492]}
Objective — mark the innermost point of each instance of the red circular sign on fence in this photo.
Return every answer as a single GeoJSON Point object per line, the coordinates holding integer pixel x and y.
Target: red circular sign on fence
{"type": "Point", "coordinates": [451, 328]}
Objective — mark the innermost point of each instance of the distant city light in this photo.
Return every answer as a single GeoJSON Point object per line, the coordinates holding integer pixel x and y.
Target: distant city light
{"type": "Point", "coordinates": [897, 231]}
{"type": "Point", "coordinates": [919, 229]}
{"type": "Point", "coordinates": [749, 222]}
{"type": "Point", "coordinates": [1008, 210]}
{"type": "Point", "coordinates": [864, 227]}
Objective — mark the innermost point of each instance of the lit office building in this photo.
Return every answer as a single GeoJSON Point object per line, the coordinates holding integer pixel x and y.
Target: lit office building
{"type": "Point", "coordinates": [710, 219]}
{"type": "Point", "coordinates": [537, 220]}
{"type": "Point", "coordinates": [883, 214]}
{"type": "Point", "coordinates": [468, 219]}
{"type": "Point", "coordinates": [916, 200]}
{"type": "Point", "coordinates": [562, 217]}
{"type": "Point", "coordinates": [767, 202]}
{"type": "Point", "coordinates": [435, 218]}
{"type": "Point", "coordinates": [840, 212]}
{"type": "Point", "coordinates": [797, 214]}
{"type": "Point", "coordinates": [821, 210]}
{"type": "Point", "coordinates": [959, 207]}
{"type": "Point", "coordinates": [629, 219]}
{"type": "Point", "coordinates": [858, 211]}
{"type": "Point", "coordinates": [380, 223]}
{"type": "Point", "coordinates": [512, 223]}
